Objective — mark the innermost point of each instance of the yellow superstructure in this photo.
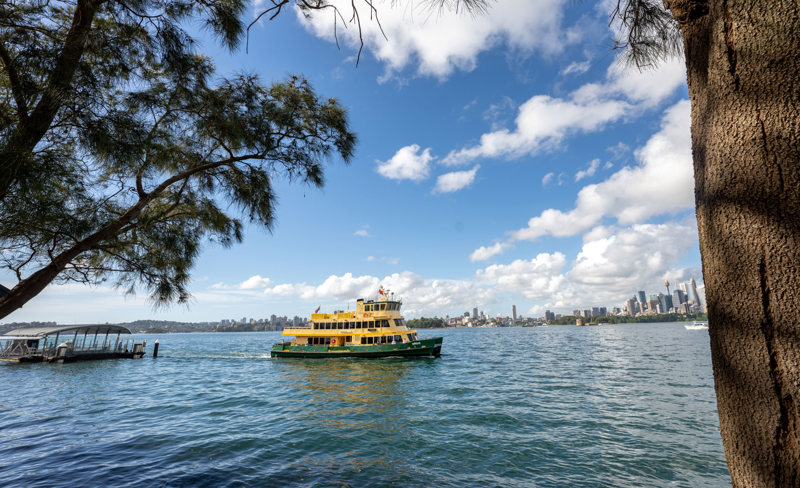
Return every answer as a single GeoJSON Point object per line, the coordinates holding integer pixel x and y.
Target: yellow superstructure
{"type": "Point", "coordinates": [373, 322]}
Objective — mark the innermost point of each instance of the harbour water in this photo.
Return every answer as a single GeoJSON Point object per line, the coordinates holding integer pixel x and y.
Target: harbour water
{"type": "Point", "coordinates": [613, 406]}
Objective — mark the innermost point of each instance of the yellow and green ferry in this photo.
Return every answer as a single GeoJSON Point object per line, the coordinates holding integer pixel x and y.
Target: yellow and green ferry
{"type": "Point", "coordinates": [374, 330]}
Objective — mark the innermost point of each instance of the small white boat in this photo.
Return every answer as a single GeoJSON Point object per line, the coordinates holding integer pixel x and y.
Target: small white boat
{"type": "Point", "coordinates": [696, 326]}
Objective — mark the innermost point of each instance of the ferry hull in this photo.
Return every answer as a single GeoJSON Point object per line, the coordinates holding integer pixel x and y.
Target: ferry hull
{"type": "Point", "coordinates": [423, 347]}
{"type": "Point", "coordinates": [73, 358]}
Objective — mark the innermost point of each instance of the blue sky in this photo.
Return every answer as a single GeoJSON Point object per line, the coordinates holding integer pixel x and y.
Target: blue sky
{"type": "Point", "coordinates": [507, 158]}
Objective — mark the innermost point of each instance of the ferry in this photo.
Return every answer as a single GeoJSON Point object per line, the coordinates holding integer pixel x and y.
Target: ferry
{"type": "Point", "coordinates": [374, 330]}
{"type": "Point", "coordinates": [64, 344]}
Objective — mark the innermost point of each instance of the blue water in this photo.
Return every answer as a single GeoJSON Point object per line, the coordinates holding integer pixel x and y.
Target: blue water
{"type": "Point", "coordinates": [609, 406]}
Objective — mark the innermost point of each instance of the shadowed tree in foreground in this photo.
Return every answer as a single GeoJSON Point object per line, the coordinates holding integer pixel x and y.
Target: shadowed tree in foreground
{"type": "Point", "coordinates": [121, 152]}
{"type": "Point", "coordinates": [742, 60]}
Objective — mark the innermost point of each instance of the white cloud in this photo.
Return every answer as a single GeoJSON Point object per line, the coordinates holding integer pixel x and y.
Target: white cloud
{"type": "Point", "coordinates": [362, 232]}
{"type": "Point", "coordinates": [662, 183]}
{"type": "Point", "coordinates": [483, 253]}
{"type": "Point", "coordinates": [576, 68]}
{"type": "Point", "coordinates": [590, 171]}
{"type": "Point", "coordinates": [345, 287]}
{"type": "Point", "coordinates": [543, 122]}
{"type": "Point", "coordinates": [633, 256]}
{"type": "Point", "coordinates": [284, 290]}
{"type": "Point", "coordinates": [407, 164]}
{"type": "Point", "coordinates": [539, 278]}
{"type": "Point", "coordinates": [422, 296]}
{"type": "Point", "coordinates": [619, 150]}
{"type": "Point", "coordinates": [638, 257]}
{"type": "Point", "coordinates": [548, 178]}
{"type": "Point", "coordinates": [440, 42]}
{"type": "Point", "coordinates": [254, 282]}
{"type": "Point", "coordinates": [457, 180]}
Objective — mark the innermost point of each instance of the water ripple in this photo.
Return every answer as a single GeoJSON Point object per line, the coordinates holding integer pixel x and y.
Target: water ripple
{"type": "Point", "coordinates": [621, 406]}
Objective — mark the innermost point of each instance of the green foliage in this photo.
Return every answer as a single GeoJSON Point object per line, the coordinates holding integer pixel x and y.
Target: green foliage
{"type": "Point", "coordinates": [121, 159]}
{"type": "Point", "coordinates": [627, 319]}
{"type": "Point", "coordinates": [650, 33]}
{"type": "Point", "coordinates": [426, 323]}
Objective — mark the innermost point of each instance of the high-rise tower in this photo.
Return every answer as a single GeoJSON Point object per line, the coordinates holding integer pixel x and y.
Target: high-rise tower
{"type": "Point", "coordinates": [695, 296]}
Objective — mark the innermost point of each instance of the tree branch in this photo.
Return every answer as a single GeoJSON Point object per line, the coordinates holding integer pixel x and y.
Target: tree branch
{"type": "Point", "coordinates": [14, 81]}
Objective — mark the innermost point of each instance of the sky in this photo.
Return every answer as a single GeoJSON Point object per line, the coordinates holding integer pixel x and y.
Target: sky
{"type": "Point", "coordinates": [506, 158]}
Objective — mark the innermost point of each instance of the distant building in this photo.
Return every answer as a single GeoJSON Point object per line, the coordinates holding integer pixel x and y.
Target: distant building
{"type": "Point", "coordinates": [695, 296]}
{"type": "Point", "coordinates": [514, 313]}
{"type": "Point", "coordinates": [475, 313]}
{"type": "Point", "coordinates": [630, 307]}
{"type": "Point", "coordinates": [548, 315]}
{"type": "Point", "coordinates": [642, 300]}
{"type": "Point", "coordinates": [666, 302]}
{"type": "Point", "coordinates": [678, 297]}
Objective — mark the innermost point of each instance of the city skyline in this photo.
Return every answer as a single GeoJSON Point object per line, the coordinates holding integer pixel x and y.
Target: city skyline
{"type": "Point", "coordinates": [507, 158]}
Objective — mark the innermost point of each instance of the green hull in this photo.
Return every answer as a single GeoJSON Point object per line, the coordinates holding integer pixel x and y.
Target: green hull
{"type": "Point", "coordinates": [424, 347]}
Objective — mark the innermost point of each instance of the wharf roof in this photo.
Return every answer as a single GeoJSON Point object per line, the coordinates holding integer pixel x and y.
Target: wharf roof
{"type": "Point", "coordinates": [28, 332]}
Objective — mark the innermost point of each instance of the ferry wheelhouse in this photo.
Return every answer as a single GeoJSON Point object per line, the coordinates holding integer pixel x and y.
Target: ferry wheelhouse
{"type": "Point", "coordinates": [69, 343]}
{"type": "Point", "coordinates": [374, 329]}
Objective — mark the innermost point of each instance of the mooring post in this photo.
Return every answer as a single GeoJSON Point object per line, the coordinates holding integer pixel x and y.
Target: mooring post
{"type": "Point", "coordinates": [155, 349]}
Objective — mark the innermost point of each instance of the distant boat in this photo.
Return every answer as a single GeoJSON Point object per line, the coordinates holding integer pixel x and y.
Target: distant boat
{"type": "Point", "coordinates": [375, 330]}
{"type": "Point", "coordinates": [69, 343]}
{"type": "Point", "coordinates": [696, 326]}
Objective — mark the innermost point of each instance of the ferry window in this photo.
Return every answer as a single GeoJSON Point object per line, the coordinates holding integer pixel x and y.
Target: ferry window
{"type": "Point", "coordinates": [347, 325]}
{"type": "Point", "coordinates": [327, 340]}
{"type": "Point", "coordinates": [397, 338]}
{"type": "Point", "coordinates": [383, 306]}
{"type": "Point", "coordinates": [371, 324]}
{"type": "Point", "coordinates": [385, 323]}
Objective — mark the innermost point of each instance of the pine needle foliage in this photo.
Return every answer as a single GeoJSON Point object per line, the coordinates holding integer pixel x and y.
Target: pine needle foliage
{"type": "Point", "coordinates": [649, 33]}
{"type": "Point", "coordinates": [122, 151]}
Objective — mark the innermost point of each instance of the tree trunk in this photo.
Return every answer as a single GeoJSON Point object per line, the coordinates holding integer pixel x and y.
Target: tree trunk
{"type": "Point", "coordinates": [743, 66]}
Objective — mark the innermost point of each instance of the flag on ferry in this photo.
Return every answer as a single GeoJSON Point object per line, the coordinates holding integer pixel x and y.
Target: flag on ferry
{"type": "Point", "coordinates": [317, 310]}
{"type": "Point", "coordinates": [380, 291]}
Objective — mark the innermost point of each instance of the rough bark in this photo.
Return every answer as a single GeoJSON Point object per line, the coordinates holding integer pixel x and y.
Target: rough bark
{"type": "Point", "coordinates": [743, 60]}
